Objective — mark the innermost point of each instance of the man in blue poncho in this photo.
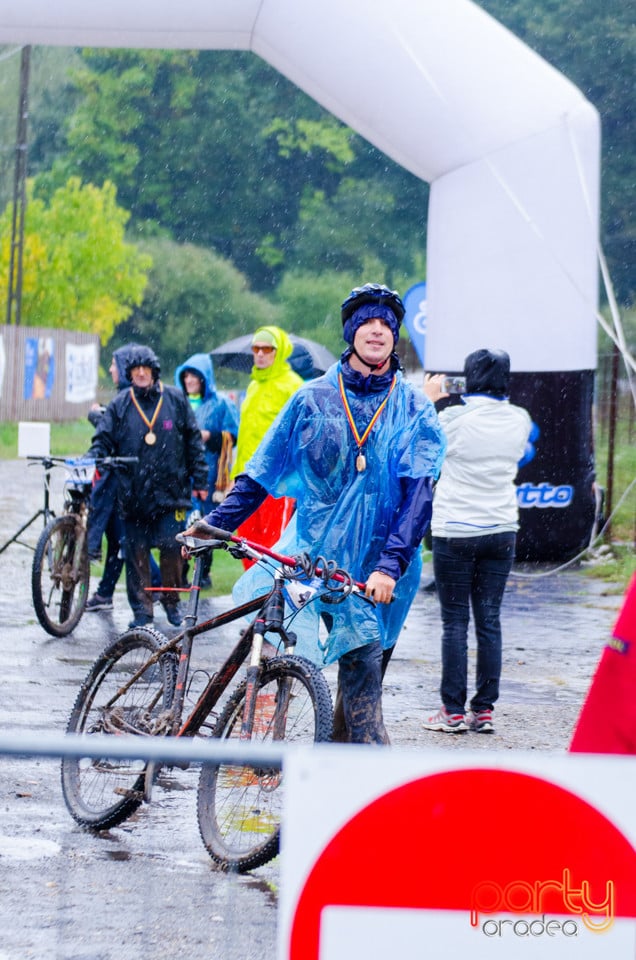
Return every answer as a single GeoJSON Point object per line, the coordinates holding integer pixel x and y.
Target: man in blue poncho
{"type": "Point", "coordinates": [359, 449]}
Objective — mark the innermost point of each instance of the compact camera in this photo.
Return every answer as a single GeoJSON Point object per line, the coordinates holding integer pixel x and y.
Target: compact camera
{"type": "Point", "coordinates": [455, 385]}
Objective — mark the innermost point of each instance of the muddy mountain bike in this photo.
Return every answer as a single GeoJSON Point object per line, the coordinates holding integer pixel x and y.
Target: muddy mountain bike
{"type": "Point", "coordinates": [61, 570]}
{"type": "Point", "coordinates": [138, 686]}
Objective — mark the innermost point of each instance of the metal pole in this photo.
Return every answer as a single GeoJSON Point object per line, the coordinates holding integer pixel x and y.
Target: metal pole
{"type": "Point", "coordinates": [19, 194]}
{"type": "Point", "coordinates": [155, 749]}
{"type": "Point", "coordinates": [609, 497]}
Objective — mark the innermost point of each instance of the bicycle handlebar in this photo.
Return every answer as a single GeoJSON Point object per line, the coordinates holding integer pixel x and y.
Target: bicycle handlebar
{"type": "Point", "coordinates": [223, 536]}
{"type": "Point", "coordinates": [75, 461]}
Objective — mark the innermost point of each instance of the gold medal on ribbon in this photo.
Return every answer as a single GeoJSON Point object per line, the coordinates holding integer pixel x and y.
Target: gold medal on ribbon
{"type": "Point", "coordinates": [151, 436]}
{"type": "Point", "coordinates": [361, 460]}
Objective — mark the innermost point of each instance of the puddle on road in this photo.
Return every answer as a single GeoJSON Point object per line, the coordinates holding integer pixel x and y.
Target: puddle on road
{"type": "Point", "coordinates": [27, 848]}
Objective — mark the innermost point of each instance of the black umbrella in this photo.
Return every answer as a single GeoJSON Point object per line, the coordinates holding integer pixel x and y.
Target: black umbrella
{"type": "Point", "coordinates": [309, 359]}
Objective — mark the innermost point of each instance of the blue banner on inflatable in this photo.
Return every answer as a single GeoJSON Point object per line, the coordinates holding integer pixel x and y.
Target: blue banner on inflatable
{"type": "Point", "coordinates": [415, 317]}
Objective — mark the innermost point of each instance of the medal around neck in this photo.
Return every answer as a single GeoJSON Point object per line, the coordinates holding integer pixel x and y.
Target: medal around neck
{"type": "Point", "coordinates": [361, 460]}
{"type": "Point", "coordinates": [150, 437]}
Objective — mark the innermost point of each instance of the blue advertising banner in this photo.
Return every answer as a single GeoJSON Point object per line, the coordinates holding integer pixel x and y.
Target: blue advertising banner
{"type": "Point", "coordinates": [39, 368]}
{"type": "Point", "coordinates": [415, 317]}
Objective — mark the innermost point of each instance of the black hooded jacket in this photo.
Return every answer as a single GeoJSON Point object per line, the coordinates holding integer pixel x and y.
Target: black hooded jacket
{"type": "Point", "coordinates": [169, 469]}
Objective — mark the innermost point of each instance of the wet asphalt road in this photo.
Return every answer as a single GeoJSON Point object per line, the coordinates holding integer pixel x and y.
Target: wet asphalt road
{"type": "Point", "coordinates": [148, 889]}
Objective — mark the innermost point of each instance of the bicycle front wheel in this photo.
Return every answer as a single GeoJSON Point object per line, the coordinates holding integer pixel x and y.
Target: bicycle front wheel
{"type": "Point", "coordinates": [129, 690]}
{"type": "Point", "coordinates": [60, 575]}
{"type": "Point", "coordinates": [239, 807]}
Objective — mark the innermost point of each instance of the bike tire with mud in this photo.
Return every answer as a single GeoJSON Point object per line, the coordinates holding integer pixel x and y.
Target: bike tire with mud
{"type": "Point", "coordinates": [239, 807]}
{"type": "Point", "coordinates": [59, 578]}
{"type": "Point", "coordinates": [100, 793]}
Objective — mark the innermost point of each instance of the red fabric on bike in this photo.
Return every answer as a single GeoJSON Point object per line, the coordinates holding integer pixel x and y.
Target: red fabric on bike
{"type": "Point", "coordinates": [267, 523]}
{"type": "Point", "coordinates": [607, 722]}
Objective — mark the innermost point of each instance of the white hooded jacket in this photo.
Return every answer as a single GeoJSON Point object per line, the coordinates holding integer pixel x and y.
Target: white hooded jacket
{"type": "Point", "coordinates": [475, 493]}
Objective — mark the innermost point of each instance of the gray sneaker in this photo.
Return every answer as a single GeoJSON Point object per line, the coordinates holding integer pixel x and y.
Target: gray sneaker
{"type": "Point", "coordinates": [96, 603]}
{"type": "Point", "coordinates": [481, 722]}
{"type": "Point", "coordinates": [445, 722]}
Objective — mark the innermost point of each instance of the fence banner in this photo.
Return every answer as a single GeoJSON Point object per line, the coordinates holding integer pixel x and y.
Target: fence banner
{"type": "Point", "coordinates": [45, 374]}
{"type": "Point", "coordinates": [81, 372]}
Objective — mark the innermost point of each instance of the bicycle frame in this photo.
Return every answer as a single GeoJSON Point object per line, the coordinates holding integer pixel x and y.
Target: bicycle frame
{"type": "Point", "coordinates": [140, 682]}
{"type": "Point", "coordinates": [251, 639]}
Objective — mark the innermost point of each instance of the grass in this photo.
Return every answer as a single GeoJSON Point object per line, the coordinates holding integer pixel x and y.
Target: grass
{"type": "Point", "coordinates": [225, 572]}
{"type": "Point", "coordinates": [67, 439]}
{"type": "Point", "coordinates": [616, 565]}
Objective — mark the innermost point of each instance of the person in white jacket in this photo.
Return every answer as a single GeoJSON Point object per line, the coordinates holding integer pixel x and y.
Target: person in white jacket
{"type": "Point", "coordinates": [474, 526]}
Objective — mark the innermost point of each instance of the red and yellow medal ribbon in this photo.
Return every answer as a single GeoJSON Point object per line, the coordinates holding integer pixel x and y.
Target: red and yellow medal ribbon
{"type": "Point", "coordinates": [149, 423]}
{"type": "Point", "coordinates": [360, 440]}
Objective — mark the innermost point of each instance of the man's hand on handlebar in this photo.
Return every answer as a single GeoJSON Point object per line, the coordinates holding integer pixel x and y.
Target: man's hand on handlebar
{"type": "Point", "coordinates": [380, 587]}
{"type": "Point", "coordinates": [198, 529]}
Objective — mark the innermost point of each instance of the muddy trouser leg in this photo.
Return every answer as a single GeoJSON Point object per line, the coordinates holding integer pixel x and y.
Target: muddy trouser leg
{"type": "Point", "coordinates": [137, 552]}
{"type": "Point", "coordinates": [339, 734]}
{"type": "Point", "coordinates": [358, 711]}
{"type": "Point", "coordinates": [166, 527]}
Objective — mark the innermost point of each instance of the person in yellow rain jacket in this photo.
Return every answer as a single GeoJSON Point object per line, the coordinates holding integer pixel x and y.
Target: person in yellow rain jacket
{"type": "Point", "coordinates": [273, 383]}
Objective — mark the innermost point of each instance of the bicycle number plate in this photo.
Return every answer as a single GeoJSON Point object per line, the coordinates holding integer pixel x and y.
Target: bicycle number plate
{"type": "Point", "coordinates": [297, 593]}
{"type": "Point", "coordinates": [81, 473]}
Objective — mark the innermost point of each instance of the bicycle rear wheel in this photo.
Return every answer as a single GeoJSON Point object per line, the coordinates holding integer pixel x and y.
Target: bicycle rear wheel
{"type": "Point", "coordinates": [100, 793]}
{"type": "Point", "coordinates": [60, 575]}
{"type": "Point", "coordinates": [239, 807]}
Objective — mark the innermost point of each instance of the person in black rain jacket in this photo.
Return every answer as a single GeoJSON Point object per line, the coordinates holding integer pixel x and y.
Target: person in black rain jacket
{"type": "Point", "coordinates": [154, 423]}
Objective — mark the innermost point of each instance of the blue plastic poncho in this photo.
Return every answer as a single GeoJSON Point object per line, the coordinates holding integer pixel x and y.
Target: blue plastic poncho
{"type": "Point", "coordinates": [215, 413]}
{"type": "Point", "coordinates": [309, 453]}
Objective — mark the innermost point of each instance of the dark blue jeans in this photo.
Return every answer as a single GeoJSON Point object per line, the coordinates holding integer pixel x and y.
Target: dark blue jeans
{"type": "Point", "coordinates": [471, 572]}
{"type": "Point", "coordinates": [104, 518]}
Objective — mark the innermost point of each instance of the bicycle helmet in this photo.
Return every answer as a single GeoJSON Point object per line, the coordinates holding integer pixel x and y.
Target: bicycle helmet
{"type": "Point", "coordinates": [363, 304]}
{"type": "Point", "coordinates": [141, 356]}
{"type": "Point", "coordinates": [373, 293]}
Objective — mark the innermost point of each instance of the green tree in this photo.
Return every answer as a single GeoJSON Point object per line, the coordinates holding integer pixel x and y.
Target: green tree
{"type": "Point", "coordinates": [78, 271]}
{"type": "Point", "coordinates": [194, 301]}
{"type": "Point", "coordinates": [188, 139]}
{"type": "Point", "coordinates": [222, 151]}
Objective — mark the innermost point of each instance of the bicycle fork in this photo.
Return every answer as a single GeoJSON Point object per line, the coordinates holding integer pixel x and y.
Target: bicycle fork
{"type": "Point", "coordinates": [271, 621]}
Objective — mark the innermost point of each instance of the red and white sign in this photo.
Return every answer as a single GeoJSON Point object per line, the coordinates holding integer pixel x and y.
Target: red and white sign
{"type": "Point", "coordinates": [396, 855]}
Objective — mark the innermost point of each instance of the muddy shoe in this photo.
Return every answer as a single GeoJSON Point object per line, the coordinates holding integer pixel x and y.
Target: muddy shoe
{"type": "Point", "coordinates": [140, 621]}
{"type": "Point", "coordinates": [174, 615]}
{"type": "Point", "coordinates": [445, 722]}
{"type": "Point", "coordinates": [95, 603]}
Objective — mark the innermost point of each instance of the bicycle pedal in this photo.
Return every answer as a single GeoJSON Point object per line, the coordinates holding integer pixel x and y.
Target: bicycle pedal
{"type": "Point", "coordinates": [129, 794]}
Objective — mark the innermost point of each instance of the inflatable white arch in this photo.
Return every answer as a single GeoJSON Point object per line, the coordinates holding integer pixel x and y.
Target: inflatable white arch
{"type": "Point", "coordinates": [510, 147]}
